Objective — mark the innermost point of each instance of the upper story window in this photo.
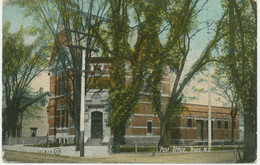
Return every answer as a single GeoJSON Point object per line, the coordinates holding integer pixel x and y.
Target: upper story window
{"type": "Point", "coordinates": [62, 86]}
{"type": "Point", "coordinates": [62, 62]}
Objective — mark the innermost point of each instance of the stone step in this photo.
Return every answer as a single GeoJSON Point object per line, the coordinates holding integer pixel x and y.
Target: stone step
{"type": "Point", "coordinates": [96, 151]}
{"type": "Point", "coordinates": [94, 142]}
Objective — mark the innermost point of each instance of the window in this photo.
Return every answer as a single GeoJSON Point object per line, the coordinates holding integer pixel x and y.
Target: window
{"type": "Point", "coordinates": [226, 124]}
{"type": "Point", "coordinates": [67, 119]}
{"type": "Point", "coordinates": [58, 119]}
{"type": "Point", "coordinates": [58, 86]}
{"type": "Point", "coordinates": [63, 61]}
{"type": "Point", "coordinates": [189, 122]}
{"type": "Point", "coordinates": [219, 124]}
{"type": "Point", "coordinates": [149, 127]}
{"type": "Point", "coordinates": [62, 118]}
{"type": "Point", "coordinates": [63, 83]}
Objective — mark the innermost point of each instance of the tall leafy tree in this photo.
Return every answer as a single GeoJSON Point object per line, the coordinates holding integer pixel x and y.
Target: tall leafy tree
{"type": "Point", "coordinates": [175, 53]}
{"type": "Point", "coordinates": [130, 56]}
{"type": "Point", "coordinates": [69, 23]}
{"type": "Point", "coordinates": [21, 64]}
{"type": "Point", "coordinates": [148, 56]}
{"type": "Point", "coordinates": [239, 47]}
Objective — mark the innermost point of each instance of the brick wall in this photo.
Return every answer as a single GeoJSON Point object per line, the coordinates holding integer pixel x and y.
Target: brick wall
{"type": "Point", "coordinates": [143, 113]}
{"type": "Point", "coordinates": [181, 130]}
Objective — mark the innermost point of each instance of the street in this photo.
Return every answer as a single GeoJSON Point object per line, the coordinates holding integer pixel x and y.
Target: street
{"type": "Point", "coordinates": [192, 157]}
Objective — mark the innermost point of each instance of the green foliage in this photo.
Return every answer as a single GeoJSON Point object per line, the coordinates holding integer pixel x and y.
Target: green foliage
{"type": "Point", "coordinates": [139, 149]}
{"type": "Point", "coordinates": [136, 55]}
{"type": "Point", "coordinates": [21, 64]}
{"type": "Point", "coordinates": [33, 111]}
{"type": "Point", "coordinates": [50, 145]}
{"type": "Point", "coordinates": [240, 60]}
{"type": "Point", "coordinates": [122, 104]}
{"type": "Point", "coordinates": [241, 64]}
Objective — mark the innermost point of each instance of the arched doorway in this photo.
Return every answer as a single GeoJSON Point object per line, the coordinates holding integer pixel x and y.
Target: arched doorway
{"type": "Point", "coordinates": [96, 125]}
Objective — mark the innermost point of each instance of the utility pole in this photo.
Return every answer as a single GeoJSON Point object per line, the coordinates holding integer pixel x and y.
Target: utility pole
{"type": "Point", "coordinates": [82, 104]}
{"type": "Point", "coordinates": [209, 115]}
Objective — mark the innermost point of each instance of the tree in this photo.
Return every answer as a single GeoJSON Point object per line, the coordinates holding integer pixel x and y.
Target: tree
{"type": "Point", "coordinates": [134, 57]}
{"type": "Point", "coordinates": [21, 64]}
{"type": "Point", "coordinates": [239, 50]}
{"type": "Point", "coordinates": [70, 23]}
{"type": "Point", "coordinates": [147, 58]}
{"type": "Point", "coordinates": [224, 89]}
{"type": "Point", "coordinates": [176, 56]}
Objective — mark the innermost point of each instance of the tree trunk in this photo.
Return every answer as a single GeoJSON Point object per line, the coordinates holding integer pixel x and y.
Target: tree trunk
{"type": "Point", "coordinates": [250, 135]}
{"type": "Point", "coordinates": [4, 127]}
{"type": "Point", "coordinates": [119, 139]}
{"type": "Point", "coordinates": [165, 134]}
{"type": "Point", "coordinates": [116, 143]}
{"type": "Point", "coordinates": [233, 130]}
{"type": "Point", "coordinates": [11, 124]}
{"type": "Point", "coordinates": [233, 114]}
{"type": "Point", "coordinates": [162, 141]}
{"type": "Point", "coordinates": [77, 136]}
{"type": "Point", "coordinates": [13, 130]}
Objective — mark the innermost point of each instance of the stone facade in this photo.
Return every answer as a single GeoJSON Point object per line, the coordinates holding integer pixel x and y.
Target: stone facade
{"type": "Point", "coordinates": [96, 116]}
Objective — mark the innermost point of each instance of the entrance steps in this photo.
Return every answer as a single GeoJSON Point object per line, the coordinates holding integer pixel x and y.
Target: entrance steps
{"type": "Point", "coordinates": [95, 147]}
{"type": "Point", "coordinates": [96, 151]}
{"type": "Point", "coordinates": [94, 142]}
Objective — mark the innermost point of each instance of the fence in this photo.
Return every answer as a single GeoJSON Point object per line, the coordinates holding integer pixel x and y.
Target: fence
{"type": "Point", "coordinates": [25, 140]}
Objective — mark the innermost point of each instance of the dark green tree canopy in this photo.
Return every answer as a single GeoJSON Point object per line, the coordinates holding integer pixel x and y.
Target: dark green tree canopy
{"type": "Point", "coordinates": [21, 64]}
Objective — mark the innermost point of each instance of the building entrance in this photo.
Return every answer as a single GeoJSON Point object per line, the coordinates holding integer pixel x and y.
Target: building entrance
{"type": "Point", "coordinates": [96, 125]}
{"type": "Point", "coordinates": [200, 132]}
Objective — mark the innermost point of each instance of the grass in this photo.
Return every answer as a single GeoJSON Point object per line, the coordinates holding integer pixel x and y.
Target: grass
{"type": "Point", "coordinates": [139, 149]}
{"type": "Point", "coordinates": [50, 145]}
{"type": "Point", "coordinates": [225, 148]}
{"type": "Point", "coordinates": [126, 149]}
{"type": "Point", "coordinates": [153, 149]}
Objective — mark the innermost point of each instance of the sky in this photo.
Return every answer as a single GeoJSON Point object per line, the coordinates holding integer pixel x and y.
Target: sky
{"type": "Point", "coordinates": [211, 11]}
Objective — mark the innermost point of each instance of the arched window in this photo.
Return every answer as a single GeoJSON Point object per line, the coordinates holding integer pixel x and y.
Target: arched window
{"type": "Point", "coordinates": [61, 65]}
{"type": "Point", "coordinates": [62, 61]}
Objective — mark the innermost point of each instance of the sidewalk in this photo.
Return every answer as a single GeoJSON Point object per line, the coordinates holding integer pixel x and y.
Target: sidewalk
{"type": "Point", "coordinates": [192, 157]}
{"type": "Point", "coordinates": [61, 150]}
